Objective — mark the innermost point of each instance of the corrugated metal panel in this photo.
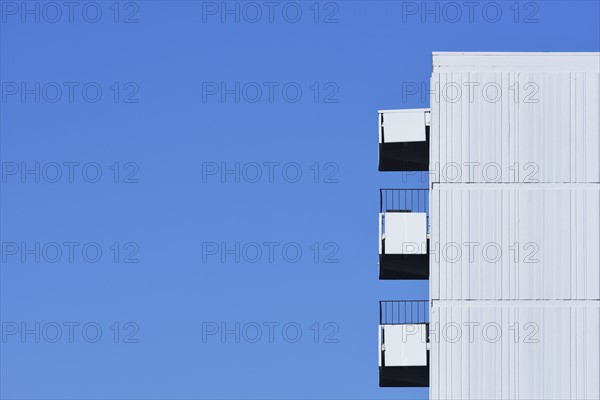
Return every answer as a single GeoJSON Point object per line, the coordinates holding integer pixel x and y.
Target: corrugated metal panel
{"type": "Point", "coordinates": [510, 241]}
{"type": "Point", "coordinates": [509, 124]}
{"type": "Point", "coordinates": [514, 352]}
{"type": "Point", "coordinates": [544, 207]}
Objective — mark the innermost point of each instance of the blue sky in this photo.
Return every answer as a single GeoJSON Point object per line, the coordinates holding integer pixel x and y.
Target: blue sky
{"type": "Point", "coordinates": [189, 190]}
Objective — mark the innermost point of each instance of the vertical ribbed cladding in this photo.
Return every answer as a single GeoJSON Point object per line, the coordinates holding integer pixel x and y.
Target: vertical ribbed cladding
{"type": "Point", "coordinates": [542, 210]}
{"type": "Point", "coordinates": [503, 126]}
{"type": "Point", "coordinates": [514, 352]}
{"type": "Point", "coordinates": [516, 242]}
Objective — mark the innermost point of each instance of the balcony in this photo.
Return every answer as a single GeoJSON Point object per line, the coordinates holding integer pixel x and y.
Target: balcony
{"type": "Point", "coordinates": [403, 343]}
{"type": "Point", "coordinates": [404, 140]}
{"type": "Point", "coordinates": [403, 234]}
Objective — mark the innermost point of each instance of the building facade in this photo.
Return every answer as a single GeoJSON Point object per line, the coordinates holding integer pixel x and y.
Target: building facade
{"type": "Point", "coordinates": [511, 235]}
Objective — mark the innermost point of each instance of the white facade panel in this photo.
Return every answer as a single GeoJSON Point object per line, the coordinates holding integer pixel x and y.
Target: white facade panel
{"type": "Point", "coordinates": [497, 121]}
{"type": "Point", "coordinates": [516, 61]}
{"type": "Point", "coordinates": [514, 352]}
{"type": "Point", "coordinates": [513, 242]}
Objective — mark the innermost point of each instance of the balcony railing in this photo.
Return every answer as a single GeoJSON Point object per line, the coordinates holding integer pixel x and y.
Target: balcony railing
{"type": "Point", "coordinates": [404, 200]}
{"type": "Point", "coordinates": [414, 200]}
{"type": "Point", "coordinates": [397, 312]}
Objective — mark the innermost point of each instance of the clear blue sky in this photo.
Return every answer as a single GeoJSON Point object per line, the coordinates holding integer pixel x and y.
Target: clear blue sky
{"type": "Point", "coordinates": [168, 122]}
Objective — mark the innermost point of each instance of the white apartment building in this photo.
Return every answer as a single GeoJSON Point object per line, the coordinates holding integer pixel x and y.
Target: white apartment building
{"type": "Point", "coordinates": [508, 233]}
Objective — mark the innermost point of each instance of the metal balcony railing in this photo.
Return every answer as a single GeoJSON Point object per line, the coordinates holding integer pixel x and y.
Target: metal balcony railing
{"type": "Point", "coordinates": [414, 200]}
{"type": "Point", "coordinates": [404, 200]}
{"type": "Point", "coordinates": [396, 312]}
